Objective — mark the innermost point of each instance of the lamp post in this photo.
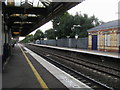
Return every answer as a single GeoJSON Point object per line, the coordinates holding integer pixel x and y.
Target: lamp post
{"type": "Point", "coordinates": [68, 37]}
{"type": "Point", "coordinates": [69, 42]}
{"type": "Point", "coordinates": [45, 36]}
{"type": "Point", "coordinates": [76, 26]}
{"type": "Point", "coordinates": [55, 33]}
{"type": "Point", "coordinates": [56, 38]}
{"type": "Point", "coordinates": [76, 34]}
{"type": "Point", "coordinates": [73, 28]}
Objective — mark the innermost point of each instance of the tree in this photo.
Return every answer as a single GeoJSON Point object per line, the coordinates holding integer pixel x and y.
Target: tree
{"type": "Point", "coordinates": [38, 35]}
{"type": "Point", "coordinates": [50, 34]}
{"type": "Point", "coordinates": [64, 24]}
{"type": "Point", "coordinates": [28, 38]}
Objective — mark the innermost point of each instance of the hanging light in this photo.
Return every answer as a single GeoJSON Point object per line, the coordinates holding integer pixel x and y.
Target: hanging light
{"type": "Point", "coordinates": [23, 16]}
{"type": "Point", "coordinates": [16, 33]}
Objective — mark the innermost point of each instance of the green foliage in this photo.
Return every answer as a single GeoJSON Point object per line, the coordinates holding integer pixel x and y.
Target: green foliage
{"type": "Point", "coordinates": [64, 23]}
{"type": "Point", "coordinates": [28, 39]}
{"type": "Point", "coordinates": [50, 34]}
{"type": "Point", "coordinates": [38, 35]}
{"type": "Point", "coordinates": [63, 27]}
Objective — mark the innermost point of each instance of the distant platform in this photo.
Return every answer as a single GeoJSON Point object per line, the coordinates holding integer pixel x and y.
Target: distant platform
{"type": "Point", "coordinates": [94, 52]}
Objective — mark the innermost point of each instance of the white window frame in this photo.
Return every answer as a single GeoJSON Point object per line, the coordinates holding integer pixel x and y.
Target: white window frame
{"type": "Point", "coordinates": [108, 40]}
{"type": "Point", "coordinates": [105, 40]}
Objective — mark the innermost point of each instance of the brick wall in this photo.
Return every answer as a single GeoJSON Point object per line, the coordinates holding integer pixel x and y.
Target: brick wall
{"type": "Point", "coordinates": [107, 40]}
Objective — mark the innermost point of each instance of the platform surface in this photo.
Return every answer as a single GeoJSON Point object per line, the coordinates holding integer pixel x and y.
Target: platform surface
{"type": "Point", "coordinates": [18, 74]}
{"type": "Point", "coordinates": [94, 52]}
{"type": "Point", "coordinates": [68, 80]}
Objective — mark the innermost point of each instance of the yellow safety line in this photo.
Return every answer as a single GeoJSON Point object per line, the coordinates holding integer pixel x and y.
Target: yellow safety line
{"type": "Point", "coordinates": [40, 80]}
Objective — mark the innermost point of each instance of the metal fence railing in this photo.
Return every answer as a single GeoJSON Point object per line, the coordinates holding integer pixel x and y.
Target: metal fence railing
{"type": "Point", "coordinates": [68, 42]}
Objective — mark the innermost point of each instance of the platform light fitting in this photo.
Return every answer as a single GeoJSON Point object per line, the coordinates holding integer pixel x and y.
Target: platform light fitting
{"type": "Point", "coordinates": [16, 33]}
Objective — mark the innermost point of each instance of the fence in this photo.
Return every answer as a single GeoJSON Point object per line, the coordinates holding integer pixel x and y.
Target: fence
{"type": "Point", "coordinates": [71, 43]}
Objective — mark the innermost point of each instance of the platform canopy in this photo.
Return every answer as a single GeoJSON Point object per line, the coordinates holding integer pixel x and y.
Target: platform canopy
{"type": "Point", "coordinates": [24, 16]}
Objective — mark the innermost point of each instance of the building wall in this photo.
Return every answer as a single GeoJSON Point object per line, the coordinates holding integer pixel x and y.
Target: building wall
{"type": "Point", "coordinates": [89, 41]}
{"type": "Point", "coordinates": [107, 40]}
{"type": "Point", "coordinates": [113, 39]}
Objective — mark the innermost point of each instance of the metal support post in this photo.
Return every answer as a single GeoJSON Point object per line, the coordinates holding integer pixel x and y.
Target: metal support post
{"type": "Point", "coordinates": [1, 51]}
{"type": "Point", "coordinates": [1, 45]}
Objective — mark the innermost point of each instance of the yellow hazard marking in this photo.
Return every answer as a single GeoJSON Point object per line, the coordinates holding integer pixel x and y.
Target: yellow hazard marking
{"type": "Point", "coordinates": [40, 80]}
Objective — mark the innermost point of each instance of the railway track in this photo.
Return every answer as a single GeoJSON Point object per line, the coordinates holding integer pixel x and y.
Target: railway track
{"type": "Point", "coordinates": [101, 68]}
{"type": "Point", "coordinates": [93, 63]}
{"type": "Point", "coordinates": [85, 79]}
{"type": "Point", "coordinates": [70, 63]}
{"type": "Point", "coordinates": [109, 70]}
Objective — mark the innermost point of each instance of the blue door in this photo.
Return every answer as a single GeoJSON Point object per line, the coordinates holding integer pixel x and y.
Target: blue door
{"type": "Point", "coordinates": [94, 42]}
{"type": "Point", "coordinates": [119, 41]}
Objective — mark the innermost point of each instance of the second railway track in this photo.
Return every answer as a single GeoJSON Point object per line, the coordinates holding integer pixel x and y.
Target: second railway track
{"type": "Point", "coordinates": [102, 75]}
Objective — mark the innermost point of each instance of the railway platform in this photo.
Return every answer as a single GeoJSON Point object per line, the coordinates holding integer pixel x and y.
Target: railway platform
{"type": "Point", "coordinates": [25, 69]}
{"type": "Point", "coordinates": [85, 51]}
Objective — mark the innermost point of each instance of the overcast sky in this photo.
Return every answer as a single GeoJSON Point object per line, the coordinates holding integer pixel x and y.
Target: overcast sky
{"type": "Point", "coordinates": [105, 10]}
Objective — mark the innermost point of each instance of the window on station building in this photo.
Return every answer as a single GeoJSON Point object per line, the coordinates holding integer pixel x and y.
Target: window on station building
{"type": "Point", "coordinates": [107, 40]}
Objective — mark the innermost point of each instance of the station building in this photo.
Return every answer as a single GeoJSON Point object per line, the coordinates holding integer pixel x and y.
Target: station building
{"type": "Point", "coordinates": [105, 37]}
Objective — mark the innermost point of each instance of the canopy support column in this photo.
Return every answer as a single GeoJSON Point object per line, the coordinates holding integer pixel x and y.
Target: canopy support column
{"type": "Point", "coordinates": [1, 45]}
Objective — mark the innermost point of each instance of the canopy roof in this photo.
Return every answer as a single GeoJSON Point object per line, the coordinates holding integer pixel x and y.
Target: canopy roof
{"type": "Point", "coordinates": [24, 16]}
{"type": "Point", "coordinates": [31, 3]}
{"type": "Point", "coordinates": [108, 25]}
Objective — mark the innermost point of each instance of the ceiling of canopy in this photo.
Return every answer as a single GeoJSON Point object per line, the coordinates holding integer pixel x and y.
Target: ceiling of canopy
{"type": "Point", "coordinates": [24, 16]}
{"type": "Point", "coordinates": [32, 3]}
